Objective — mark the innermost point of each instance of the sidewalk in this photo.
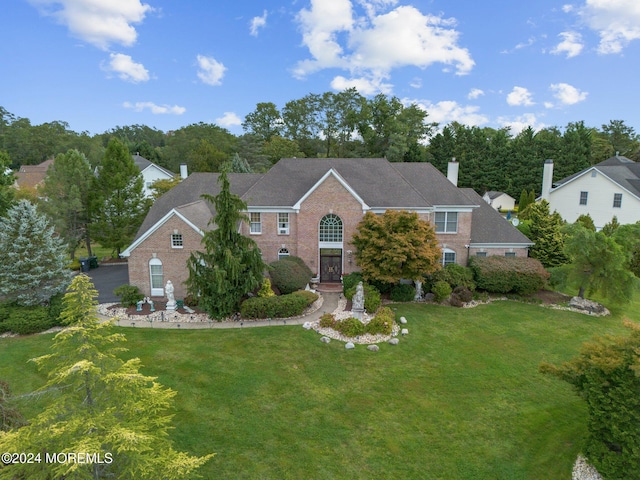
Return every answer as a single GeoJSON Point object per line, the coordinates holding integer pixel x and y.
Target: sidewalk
{"type": "Point", "coordinates": [329, 304]}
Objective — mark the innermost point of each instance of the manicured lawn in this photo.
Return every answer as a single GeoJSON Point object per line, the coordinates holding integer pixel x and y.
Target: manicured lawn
{"type": "Point", "coordinates": [460, 397]}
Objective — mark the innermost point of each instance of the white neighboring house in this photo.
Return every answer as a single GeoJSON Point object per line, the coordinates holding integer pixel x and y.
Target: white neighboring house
{"type": "Point", "coordinates": [150, 173]}
{"type": "Point", "coordinates": [610, 188]}
{"type": "Point", "coordinates": [499, 200]}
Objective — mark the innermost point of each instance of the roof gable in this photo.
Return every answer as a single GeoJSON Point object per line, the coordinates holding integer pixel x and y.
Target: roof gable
{"type": "Point", "coordinates": [331, 173]}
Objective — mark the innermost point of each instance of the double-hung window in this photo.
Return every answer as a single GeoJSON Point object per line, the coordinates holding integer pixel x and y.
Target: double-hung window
{"type": "Point", "coordinates": [176, 240]}
{"type": "Point", "coordinates": [448, 257]}
{"type": "Point", "coordinates": [617, 200]}
{"type": "Point", "coordinates": [583, 198]}
{"type": "Point", "coordinates": [446, 222]}
{"type": "Point", "coordinates": [283, 224]}
{"type": "Point", "coordinates": [255, 226]}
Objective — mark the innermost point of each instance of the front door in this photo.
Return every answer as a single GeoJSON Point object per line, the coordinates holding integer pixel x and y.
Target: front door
{"type": "Point", "coordinates": [330, 268]}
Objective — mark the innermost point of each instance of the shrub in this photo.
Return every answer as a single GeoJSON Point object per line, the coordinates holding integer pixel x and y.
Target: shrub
{"type": "Point", "coordinates": [191, 300]}
{"type": "Point", "coordinates": [455, 275]}
{"type": "Point", "coordinates": [129, 295]}
{"type": "Point", "coordinates": [454, 301]}
{"type": "Point", "coordinates": [441, 290]}
{"type": "Point", "coordinates": [351, 280]}
{"type": "Point", "coordinates": [509, 274]}
{"type": "Point", "coordinates": [283, 306]}
{"type": "Point", "coordinates": [27, 320]}
{"type": "Point", "coordinates": [290, 274]}
{"type": "Point", "coordinates": [350, 327]}
{"type": "Point", "coordinates": [403, 292]}
{"type": "Point", "coordinates": [327, 321]}
{"type": "Point", "coordinates": [265, 289]}
{"type": "Point", "coordinates": [464, 294]}
{"type": "Point", "coordinates": [382, 323]}
{"type": "Point", "coordinates": [372, 298]}
{"type": "Point", "coordinates": [74, 265]}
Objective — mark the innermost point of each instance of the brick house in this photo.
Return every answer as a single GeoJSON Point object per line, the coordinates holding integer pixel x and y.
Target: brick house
{"type": "Point", "coordinates": [310, 208]}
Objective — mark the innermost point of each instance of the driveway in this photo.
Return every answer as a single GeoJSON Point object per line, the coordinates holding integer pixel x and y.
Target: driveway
{"type": "Point", "coordinates": [108, 277]}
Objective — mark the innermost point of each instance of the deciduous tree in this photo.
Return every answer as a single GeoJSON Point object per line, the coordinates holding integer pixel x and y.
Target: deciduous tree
{"type": "Point", "coordinates": [396, 245]}
{"type": "Point", "coordinates": [33, 261]}
{"type": "Point", "coordinates": [101, 405]}
{"type": "Point", "coordinates": [231, 265]}
{"type": "Point", "coordinates": [6, 183]}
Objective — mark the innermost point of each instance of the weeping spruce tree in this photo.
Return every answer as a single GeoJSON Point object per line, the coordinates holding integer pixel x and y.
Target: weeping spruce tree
{"type": "Point", "coordinates": [231, 265]}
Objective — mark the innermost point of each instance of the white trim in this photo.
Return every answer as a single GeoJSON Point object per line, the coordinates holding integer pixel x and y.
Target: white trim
{"type": "Point", "coordinates": [420, 210]}
{"type": "Point", "coordinates": [337, 176]}
{"type": "Point", "coordinates": [455, 208]}
{"type": "Point", "coordinates": [156, 292]}
{"type": "Point", "coordinates": [500, 245]}
{"type": "Point", "coordinates": [155, 227]}
{"type": "Point", "coordinates": [251, 209]}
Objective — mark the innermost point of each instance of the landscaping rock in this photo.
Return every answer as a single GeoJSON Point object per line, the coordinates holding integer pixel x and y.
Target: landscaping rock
{"type": "Point", "coordinates": [325, 340]}
{"type": "Point", "coordinates": [429, 297]}
{"type": "Point", "coordinates": [349, 346]}
{"type": "Point", "coordinates": [373, 348]}
{"type": "Point", "coordinates": [404, 331]}
{"type": "Point", "coordinates": [306, 325]}
{"type": "Point", "coordinates": [403, 320]}
{"type": "Point", "coordinates": [586, 305]}
{"type": "Point", "coordinates": [394, 341]}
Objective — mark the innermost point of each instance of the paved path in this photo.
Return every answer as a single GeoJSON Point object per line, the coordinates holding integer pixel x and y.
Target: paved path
{"type": "Point", "coordinates": [329, 304]}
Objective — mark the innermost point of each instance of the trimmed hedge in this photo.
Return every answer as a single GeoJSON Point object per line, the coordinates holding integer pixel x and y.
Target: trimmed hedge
{"type": "Point", "coordinates": [441, 290]}
{"type": "Point", "coordinates": [27, 320]}
{"type": "Point", "coordinates": [283, 306]}
{"type": "Point", "coordinates": [498, 274]}
{"type": "Point", "coordinates": [289, 274]}
{"type": "Point", "coordinates": [372, 299]}
{"type": "Point", "coordinates": [403, 292]}
{"type": "Point", "coordinates": [455, 275]}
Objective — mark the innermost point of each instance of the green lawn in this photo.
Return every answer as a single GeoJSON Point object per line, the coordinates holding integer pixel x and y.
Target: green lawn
{"type": "Point", "coordinates": [459, 398]}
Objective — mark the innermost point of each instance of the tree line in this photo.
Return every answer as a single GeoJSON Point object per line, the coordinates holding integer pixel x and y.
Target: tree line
{"type": "Point", "coordinates": [343, 124]}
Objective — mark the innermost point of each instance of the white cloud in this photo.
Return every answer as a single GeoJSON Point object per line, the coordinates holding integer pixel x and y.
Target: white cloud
{"type": "Point", "coordinates": [571, 44]}
{"type": "Point", "coordinates": [519, 123]}
{"type": "Point", "coordinates": [211, 71]}
{"type": "Point", "coordinates": [365, 86]}
{"type": "Point", "coordinates": [376, 43]}
{"type": "Point", "coordinates": [257, 23]}
{"type": "Point", "coordinates": [616, 21]}
{"type": "Point", "coordinates": [448, 111]}
{"type": "Point", "coordinates": [567, 94]}
{"type": "Point", "coordinates": [127, 69]}
{"type": "Point", "coordinates": [519, 96]}
{"type": "Point", "coordinates": [229, 119]}
{"type": "Point", "coordinates": [475, 93]}
{"type": "Point", "coordinates": [155, 109]}
{"type": "Point", "coordinates": [99, 22]}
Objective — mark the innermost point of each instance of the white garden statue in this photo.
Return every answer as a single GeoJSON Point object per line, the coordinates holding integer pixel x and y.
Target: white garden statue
{"type": "Point", "coordinates": [171, 299]}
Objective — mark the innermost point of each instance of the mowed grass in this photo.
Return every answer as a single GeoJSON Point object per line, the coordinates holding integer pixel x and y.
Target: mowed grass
{"type": "Point", "coordinates": [459, 398]}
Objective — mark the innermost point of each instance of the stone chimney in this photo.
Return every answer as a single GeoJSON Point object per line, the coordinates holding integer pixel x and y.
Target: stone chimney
{"type": "Point", "coordinates": [452, 171]}
{"type": "Point", "coordinates": [547, 179]}
{"type": "Point", "coordinates": [184, 173]}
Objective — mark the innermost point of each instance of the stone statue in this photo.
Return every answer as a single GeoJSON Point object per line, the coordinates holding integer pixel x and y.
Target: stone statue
{"type": "Point", "coordinates": [357, 302]}
{"type": "Point", "coordinates": [418, 290]}
{"type": "Point", "coordinates": [171, 299]}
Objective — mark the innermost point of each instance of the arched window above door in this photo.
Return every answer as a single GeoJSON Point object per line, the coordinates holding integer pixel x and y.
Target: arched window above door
{"type": "Point", "coordinates": [331, 228]}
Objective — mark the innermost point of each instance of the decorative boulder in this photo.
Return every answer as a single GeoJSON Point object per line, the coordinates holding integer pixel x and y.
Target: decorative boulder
{"type": "Point", "coordinates": [325, 340]}
{"type": "Point", "coordinates": [349, 346]}
{"type": "Point", "coordinates": [586, 305]}
{"type": "Point", "coordinates": [307, 325]}
{"type": "Point", "coordinates": [403, 320]}
{"type": "Point", "coordinates": [373, 348]}
{"type": "Point", "coordinates": [394, 341]}
{"type": "Point", "coordinates": [404, 331]}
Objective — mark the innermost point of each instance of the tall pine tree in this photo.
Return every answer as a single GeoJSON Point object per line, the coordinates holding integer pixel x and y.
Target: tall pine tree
{"type": "Point", "coordinates": [231, 265]}
{"type": "Point", "coordinates": [120, 204]}
{"type": "Point", "coordinates": [101, 405]}
{"type": "Point", "coordinates": [33, 263]}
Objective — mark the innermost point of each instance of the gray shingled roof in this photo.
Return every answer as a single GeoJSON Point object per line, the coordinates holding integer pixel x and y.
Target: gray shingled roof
{"type": "Point", "coordinates": [143, 163]}
{"type": "Point", "coordinates": [489, 226]}
{"type": "Point", "coordinates": [623, 171]}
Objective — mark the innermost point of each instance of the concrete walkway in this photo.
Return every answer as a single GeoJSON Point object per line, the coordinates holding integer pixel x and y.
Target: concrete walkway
{"type": "Point", "coordinates": [329, 304]}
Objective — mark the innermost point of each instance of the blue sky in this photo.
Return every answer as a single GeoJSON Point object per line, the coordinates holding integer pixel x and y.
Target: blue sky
{"type": "Point", "coordinates": [97, 64]}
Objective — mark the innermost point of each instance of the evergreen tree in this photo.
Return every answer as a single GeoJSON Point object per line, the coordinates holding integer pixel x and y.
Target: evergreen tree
{"type": "Point", "coordinates": [6, 183]}
{"type": "Point", "coordinates": [101, 405]}
{"type": "Point", "coordinates": [33, 263]}
{"type": "Point", "coordinates": [524, 201]}
{"type": "Point", "coordinates": [239, 165]}
{"type": "Point", "coordinates": [586, 221]}
{"type": "Point", "coordinates": [610, 228]}
{"type": "Point", "coordinates": [231, 265]}
{"type": "Point", "coordinates": [67, 190]}
{"type": "Point", "coordinates": [597, 264]}
{"type": "Point", "coordinates": [120, 206]}
{"type": "Point", "coordinates": [545, 232]}
{"type": "Point", "coordinates": [396, 245]}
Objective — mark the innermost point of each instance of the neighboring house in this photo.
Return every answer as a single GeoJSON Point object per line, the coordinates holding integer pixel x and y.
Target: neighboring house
{"type": "Point", "coordinates": [610, 188]}
{"type": "Point", "coordinates": [499, 200]}
{"type": "Point", "coordinates": [31, 177]}
{"type": "Point", "coordinates": [150, 173]}
{"type": "Point", "coordinates": [310, 208]}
